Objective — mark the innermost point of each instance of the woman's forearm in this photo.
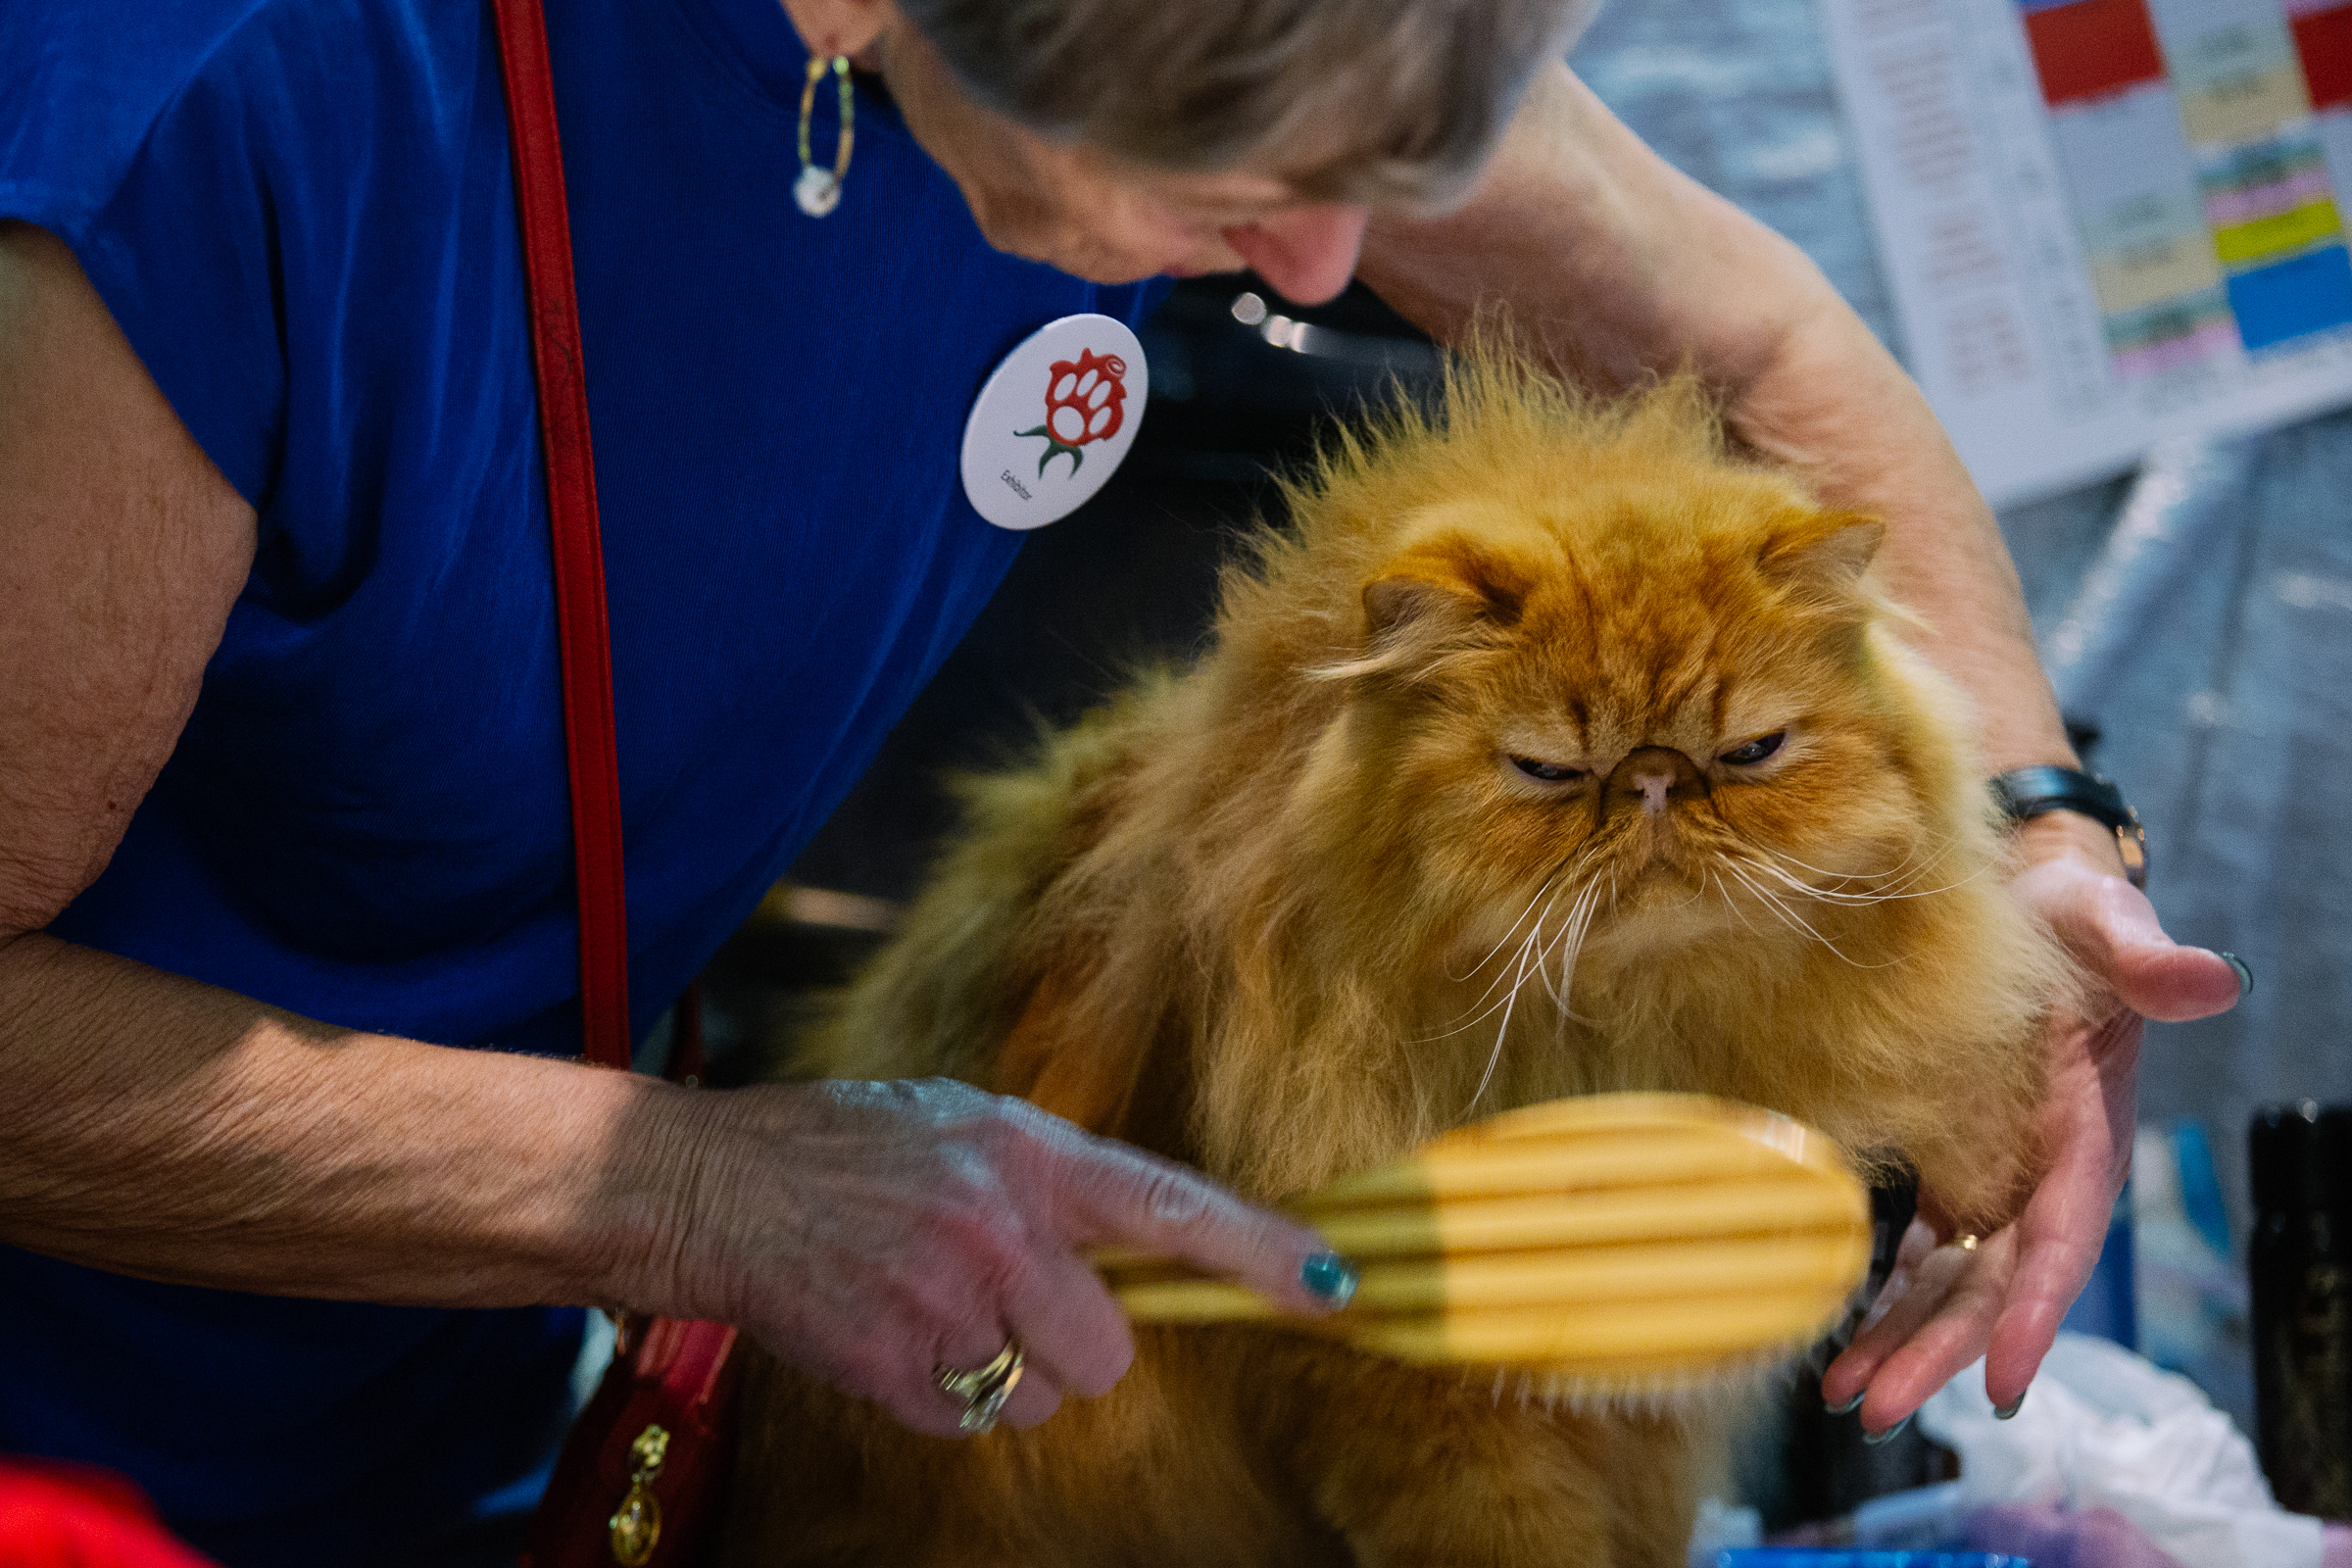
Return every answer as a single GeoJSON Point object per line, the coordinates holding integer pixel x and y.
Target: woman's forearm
{"type": "Point", "coordinates": [155, 1126]}
{"type": "Point", "coordinates": [1615, 266]}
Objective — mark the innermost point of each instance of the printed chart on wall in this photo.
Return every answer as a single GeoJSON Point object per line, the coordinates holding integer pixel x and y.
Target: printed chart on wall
{"type": "Point", "coordinates": [2107, 222]}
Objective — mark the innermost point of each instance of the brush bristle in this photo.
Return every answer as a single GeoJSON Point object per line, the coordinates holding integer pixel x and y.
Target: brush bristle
{"type": "Point", "coordinates": [1651, 1395]}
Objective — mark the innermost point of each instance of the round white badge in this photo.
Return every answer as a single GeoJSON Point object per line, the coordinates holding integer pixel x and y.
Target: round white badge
{"type": "Point", "coordinates": [1054, 421]}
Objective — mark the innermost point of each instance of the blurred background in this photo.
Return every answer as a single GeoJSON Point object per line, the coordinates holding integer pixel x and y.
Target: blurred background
{"type": "Point", "coordinates": [2195, 611]}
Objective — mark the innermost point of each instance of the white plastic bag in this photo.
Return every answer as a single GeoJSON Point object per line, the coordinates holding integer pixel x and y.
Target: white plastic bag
{"type": "Point", "coordinates": [2103, 1427]}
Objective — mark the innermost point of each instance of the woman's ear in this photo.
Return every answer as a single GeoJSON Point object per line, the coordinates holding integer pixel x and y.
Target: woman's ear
{"type": "Point", "coordinates": [841, 26]}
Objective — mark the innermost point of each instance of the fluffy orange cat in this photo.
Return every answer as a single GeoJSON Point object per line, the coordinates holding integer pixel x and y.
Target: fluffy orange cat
{"type": "Point", "coordinates": [1551, 751]}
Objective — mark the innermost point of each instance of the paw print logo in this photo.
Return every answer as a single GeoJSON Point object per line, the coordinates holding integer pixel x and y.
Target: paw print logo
{"type": "Point", "coordinates": [1085, 402]}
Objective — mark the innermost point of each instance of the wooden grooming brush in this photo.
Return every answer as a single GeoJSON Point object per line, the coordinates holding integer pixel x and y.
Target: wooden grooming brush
{"type": "Point", "coordinates": [1606, 1244]}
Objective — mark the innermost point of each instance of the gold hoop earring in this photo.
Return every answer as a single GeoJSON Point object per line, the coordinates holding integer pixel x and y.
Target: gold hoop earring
{"type": "Point", "coordinates": [818, 190]}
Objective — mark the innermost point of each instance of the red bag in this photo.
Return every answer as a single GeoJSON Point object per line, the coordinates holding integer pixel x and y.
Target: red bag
{"type": "Point", "coordinates": [641, 1478]}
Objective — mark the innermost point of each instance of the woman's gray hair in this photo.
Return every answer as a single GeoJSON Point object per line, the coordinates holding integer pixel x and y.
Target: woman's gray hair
{"type": "Point", "coordinates": [1350, 99]}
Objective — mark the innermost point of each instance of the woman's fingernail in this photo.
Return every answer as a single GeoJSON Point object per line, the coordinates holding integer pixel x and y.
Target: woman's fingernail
{"type": "Point", "coordinates": [1329, 1277]}
{"type": "Point", "coordinates": [2245, 976]}
{"type": "Point", "coordinates": [1874, 1438]}
{"type": "Point", "coordinates": [1848, 1408]}
{"type": "Point", "coordinates": [2004, 1412]}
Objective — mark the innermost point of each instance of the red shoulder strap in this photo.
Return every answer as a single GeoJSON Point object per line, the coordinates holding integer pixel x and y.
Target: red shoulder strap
{"type": "Point", "coordinates": [580, 624]}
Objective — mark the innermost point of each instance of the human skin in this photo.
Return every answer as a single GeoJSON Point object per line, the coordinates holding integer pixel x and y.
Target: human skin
{"type": "Point", "coordinates": [163, 1128]}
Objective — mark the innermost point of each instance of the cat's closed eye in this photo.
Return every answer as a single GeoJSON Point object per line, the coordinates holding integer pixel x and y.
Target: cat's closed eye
{"type": "Point", "coordinates": [1754, 751]}
{"type": "Point", "coordinates": [1547, 772]}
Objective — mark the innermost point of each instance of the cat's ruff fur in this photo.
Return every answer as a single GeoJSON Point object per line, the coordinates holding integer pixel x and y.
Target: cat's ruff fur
{"type": "Point", "coordinates": [1293, 912]}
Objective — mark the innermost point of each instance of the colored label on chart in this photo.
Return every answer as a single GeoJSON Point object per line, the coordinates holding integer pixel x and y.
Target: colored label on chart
{"type": "Point", "coordinates": [2205, 143]}
{"type": "Point", "coordinates": [2106, 223]}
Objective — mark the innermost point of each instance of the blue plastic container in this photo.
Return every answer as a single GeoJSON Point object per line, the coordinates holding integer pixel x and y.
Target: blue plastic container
{"type": "Point", "coordinates": [2109, 1306]}
{"type": "Point", "coordinates": [1817, 1557]}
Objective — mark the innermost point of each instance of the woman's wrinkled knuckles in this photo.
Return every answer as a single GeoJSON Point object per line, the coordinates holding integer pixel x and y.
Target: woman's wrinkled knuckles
{"type": "Point", "coordinates": [975, 1220]}
{"type": "Point", "coordinates": [856, 1098]}
{"type": "Point", "coordinates": [1038, 1148]}
{"type": "Point", "coordinates": [1173, 1199]}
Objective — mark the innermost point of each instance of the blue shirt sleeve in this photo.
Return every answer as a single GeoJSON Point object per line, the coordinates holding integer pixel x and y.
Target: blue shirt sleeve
{"type": "Point", "coordinates": [134, 134]}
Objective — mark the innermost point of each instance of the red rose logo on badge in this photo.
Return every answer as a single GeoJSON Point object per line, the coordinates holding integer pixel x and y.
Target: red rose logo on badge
{"type": "Point", "coordinates": [1085, 402]}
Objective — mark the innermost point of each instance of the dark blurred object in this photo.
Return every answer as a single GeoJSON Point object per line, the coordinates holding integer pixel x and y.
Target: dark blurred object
{"type": "Point", "coordinates": [2301, 1157]}
{"type": "Point", "coordinates": [1241, 378]}
{"type": "Point", "coordinates": [2084, 736]}
{"type": "Point", "coordinates": [769, 985]}
{"type": "Point", "coordinates": [1824, 1468]}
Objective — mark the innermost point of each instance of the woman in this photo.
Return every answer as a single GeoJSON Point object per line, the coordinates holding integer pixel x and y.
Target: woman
{"type": "Point", "coordinates": [282, 808]}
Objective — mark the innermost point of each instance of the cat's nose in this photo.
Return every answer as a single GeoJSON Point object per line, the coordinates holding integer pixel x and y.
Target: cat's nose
{"type": "Point", "coordinates": [1655, 775]}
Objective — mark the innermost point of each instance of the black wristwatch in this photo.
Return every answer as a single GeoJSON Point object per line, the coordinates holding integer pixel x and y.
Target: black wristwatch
{"type": "Point", "coordinates": [2029, 792]}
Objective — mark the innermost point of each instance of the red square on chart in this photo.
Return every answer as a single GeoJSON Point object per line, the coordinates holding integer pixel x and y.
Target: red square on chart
{"type": "Point", "coordinates": [2324, 38]}
{"type": "Point", "coordinates": [2091, 48]}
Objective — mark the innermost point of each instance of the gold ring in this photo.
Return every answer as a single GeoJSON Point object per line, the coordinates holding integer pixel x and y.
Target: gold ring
{"type": "Point", "coordinates": [983, 1390]}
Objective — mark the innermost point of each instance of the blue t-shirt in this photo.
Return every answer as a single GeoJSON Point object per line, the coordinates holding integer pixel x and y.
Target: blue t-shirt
{"type": "Point", "coordinates": [302, 214]}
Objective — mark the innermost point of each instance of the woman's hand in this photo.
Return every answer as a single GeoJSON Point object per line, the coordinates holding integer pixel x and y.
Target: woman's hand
{"type": "Point", "coordinates": [1944, 1306]}
{"type": "Point", "coordinates": [874, 1233]}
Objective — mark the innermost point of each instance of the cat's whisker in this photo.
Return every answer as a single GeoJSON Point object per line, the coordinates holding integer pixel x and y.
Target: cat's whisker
{"type": "Point", "coordinates": [1502, 1032]}
{"type": "Point", "coordinates": [1894, 870]}
{"type": "Point", "coordinates": [1516, 974]}
{"type": "Point", "coordinates": [1859, 886]}
{"type": "Point", "coordinates": [1779, 906]}
{"type": "Point", "coordinates": [1798, 884]}
{"type": "Point", "coordinates": [1531, 960]}
{"type": "Point", "coordinates": [1566, 870]}
{"type": "Point", "coordinates": [1795, 921]}
{"type": "Point", "coordinates": [1901, 870]}
{"type": "Point", "coordinates": [1504, 974]}
{"type": "Point", "coordinates": [1735, 850]}
{"type": "Point", "coordinates": [1550, 878]}
{"type": "Point", "coordinates": [1763, 859]}
{"type": "Point", "coordinates": [1571, 938]}
{"type": "Point", "coordinates": [1573, 947]}
{"type": "Point", "coordinates": [1734, 906]}
{"type": "Point", "coordinates": [1896, 882]}
{"type": "Point", "coordinates": [1698, 891]}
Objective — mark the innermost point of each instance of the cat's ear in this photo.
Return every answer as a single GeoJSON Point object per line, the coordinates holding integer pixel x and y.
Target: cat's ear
{"type": "Point", "coordinates": [1822, 555]}
{"type": "Point", "coordinates": [1431, 603]}
{"type": "Point", "coordinates": [1446, 585]}
{"type": "Point", "coordinates": [1399, 606]}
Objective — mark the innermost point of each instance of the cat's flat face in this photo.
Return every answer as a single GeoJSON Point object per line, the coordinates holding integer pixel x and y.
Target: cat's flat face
{"type": "Point", "coordinates": [1652, 706]}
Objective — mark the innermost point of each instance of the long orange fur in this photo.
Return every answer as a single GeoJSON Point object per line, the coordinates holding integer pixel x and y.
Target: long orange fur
{"type": "Point", "coordinates": [1296, 909]}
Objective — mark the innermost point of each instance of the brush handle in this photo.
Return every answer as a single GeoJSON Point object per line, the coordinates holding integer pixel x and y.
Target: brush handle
{"type": "Point", "coordinates": [1606, 1241]}
{"type": "Point", "coordinates": [1566, 1280]}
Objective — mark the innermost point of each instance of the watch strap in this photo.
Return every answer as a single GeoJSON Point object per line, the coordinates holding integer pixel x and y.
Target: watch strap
{"type": "Point", "coordinates": [2026, 793]}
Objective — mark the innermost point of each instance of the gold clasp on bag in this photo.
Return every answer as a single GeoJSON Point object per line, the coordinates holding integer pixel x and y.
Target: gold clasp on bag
{"type": "Point", "coordinates": [637, 1523]}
